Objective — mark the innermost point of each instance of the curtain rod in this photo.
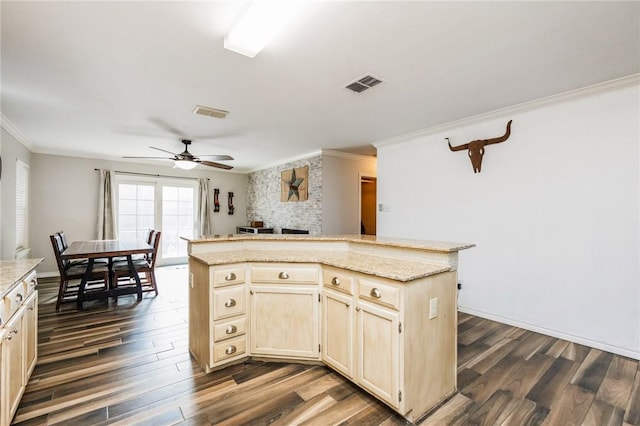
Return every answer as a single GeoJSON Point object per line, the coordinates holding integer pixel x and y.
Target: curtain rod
{"type": "Point", "coordinates": [152, 175]}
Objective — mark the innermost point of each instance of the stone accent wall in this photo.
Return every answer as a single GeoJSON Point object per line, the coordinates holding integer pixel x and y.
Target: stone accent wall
{"type": "Point", "coordinates": [263, 198]}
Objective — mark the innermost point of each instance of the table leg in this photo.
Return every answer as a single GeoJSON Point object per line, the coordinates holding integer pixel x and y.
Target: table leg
{"type": "Point", "coordinates": [134, 274]}
{"type": "Point", "coordinates": [83, 283]}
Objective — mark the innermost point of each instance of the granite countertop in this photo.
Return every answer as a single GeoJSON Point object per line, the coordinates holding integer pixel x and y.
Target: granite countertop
{"type": "Point", "coordinates": [437, 246]}
{"type": "Point", "coordinates": [395, 269]}
{"type": "Point", "coordinates": [13, 271]}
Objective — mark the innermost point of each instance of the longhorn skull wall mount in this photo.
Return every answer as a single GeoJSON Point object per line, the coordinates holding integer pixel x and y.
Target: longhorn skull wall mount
{"type": "Point", "coordinates": [476, 148]}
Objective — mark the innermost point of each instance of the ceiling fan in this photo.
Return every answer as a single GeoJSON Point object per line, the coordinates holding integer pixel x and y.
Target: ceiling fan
{"type": "Point", "coordinates": [186, 160]}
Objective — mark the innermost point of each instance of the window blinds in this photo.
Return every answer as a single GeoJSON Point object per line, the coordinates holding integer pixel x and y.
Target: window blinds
{"type": "Point", "coordinates": [22, 198]}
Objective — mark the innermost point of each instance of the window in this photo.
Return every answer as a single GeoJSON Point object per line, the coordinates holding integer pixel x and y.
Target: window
{"type": "Point", "coordinates": [22, 205]}
{"type": "Point", "coordinates": [162, 204]}
{"type": "Point", "coordinates": [177, 219]}
{"type": "Point", "coordinates": [136, 208]}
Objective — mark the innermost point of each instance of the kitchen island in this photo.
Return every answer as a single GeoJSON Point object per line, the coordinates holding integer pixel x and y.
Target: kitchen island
{"type": "Point", "coordinates": [380, 311]}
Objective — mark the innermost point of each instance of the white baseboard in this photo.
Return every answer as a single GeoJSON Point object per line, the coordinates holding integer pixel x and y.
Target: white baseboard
{"type": "Point", "coordinates": [555, 333]}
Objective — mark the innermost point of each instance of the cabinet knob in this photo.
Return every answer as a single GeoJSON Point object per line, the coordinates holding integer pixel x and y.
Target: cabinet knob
{"type": "Point", "coordinates": [335, 281]}
{"type": "Point", "coordinates": [283, 276]}
{"type": "Point", "coordinates": [230, 303]}
{"type": "Point", "coordinates": [231, 329]}
{"type": "Point", "coordinates": [375, 293]}
{"type": "Point", "coordinates": [230, 276]}
{"type": "Point", "coordinates": [348, 304]}
{"type": "Point", "coordinates": [358, 309]}
{"type": "Point", "coordinates": [230, 350]}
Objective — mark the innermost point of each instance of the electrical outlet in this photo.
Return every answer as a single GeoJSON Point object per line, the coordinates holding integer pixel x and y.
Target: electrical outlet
{"type": "Point", "coordinates": [433, 308]}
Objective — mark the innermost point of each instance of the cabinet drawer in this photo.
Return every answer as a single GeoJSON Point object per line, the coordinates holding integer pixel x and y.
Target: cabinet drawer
{"type": "Point", "coordinates": [229, 301]}
{"type": "Point", "coordinates": [13, 300]}
{"type": "Point", "coordinates": [229, 348]}
{"type": "Point", "coordinates": [225, 330]}
{"type": "Point", "coordinates": [335, 279]}
{"type": "Point", "coordinates": [380, 293]}
{"type": "Point", "coordinates": [30, 282]}
{"type": "Point", "coordinates": [282, 274]}
{"type": "Point", "coordinates": [228, 276]}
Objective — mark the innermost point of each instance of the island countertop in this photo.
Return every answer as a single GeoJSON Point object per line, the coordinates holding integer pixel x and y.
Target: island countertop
{"type": "Point", "coordinates": [13, 271]}
{"type": "Point", "coordinates": [436, 246]}
{"type": "Point", "coordinates": [402, 260]}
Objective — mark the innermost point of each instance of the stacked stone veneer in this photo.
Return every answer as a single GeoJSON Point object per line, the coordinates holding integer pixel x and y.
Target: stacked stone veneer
{"type": "Point", "coordinates": [263, 198]}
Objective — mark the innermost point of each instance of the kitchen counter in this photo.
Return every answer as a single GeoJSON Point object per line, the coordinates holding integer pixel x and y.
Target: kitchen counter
{"type": "Point", "coordinates": [401, 260]}
{"type": "Point", "coordinates": [13, 271]}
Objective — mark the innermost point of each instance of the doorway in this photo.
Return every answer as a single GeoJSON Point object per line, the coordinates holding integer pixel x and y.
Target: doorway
{"type": "Point", "coordinates": [368, 189]}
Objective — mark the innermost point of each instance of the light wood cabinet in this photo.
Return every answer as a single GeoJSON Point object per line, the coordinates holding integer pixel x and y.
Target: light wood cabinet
{"type": "Point", "coordinates": [396, 340]}
{"type": "Point", "coordinates": [18, 343]}
{"type": "Point", "coordinates": [338, 343]}
{"type": "Point", "coordinates": [378, 349]}
{"type": "Point", "coordinates": [217, 314]}
{"type": "Point", "coordinates": [285, 311]}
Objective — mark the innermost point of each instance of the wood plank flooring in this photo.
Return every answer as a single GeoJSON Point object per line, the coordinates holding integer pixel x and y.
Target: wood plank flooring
{"type": "Point", "coordinates": [128, 363]}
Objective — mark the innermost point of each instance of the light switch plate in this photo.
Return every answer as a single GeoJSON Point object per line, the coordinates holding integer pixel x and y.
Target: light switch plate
{"type": "Point", "coordinates": [433, 308]}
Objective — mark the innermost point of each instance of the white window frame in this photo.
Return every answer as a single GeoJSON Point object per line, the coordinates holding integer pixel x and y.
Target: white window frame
{"type": "Point", "coordinates": [22, 209]}
{"type": "Point", "coordinates": [158, 183]}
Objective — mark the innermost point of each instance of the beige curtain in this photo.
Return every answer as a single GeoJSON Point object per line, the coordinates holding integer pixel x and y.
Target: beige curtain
{"type": "Point", "coordinates": [107, 229]}
{"type": "Point", "coordinates": [205, 207]}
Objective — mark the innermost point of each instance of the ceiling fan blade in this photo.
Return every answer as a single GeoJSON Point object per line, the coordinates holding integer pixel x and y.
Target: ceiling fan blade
{"type": "Point", "coordinates": [217, 157]}
{"type": "Point", "coordinates": [218, 165]}
{"type": "Point", "coordinates": [153, 158]}
{"type": "Point", "coordinates": [164, 150]}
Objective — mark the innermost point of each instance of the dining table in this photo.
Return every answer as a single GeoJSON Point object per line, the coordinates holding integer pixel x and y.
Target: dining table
{"type": "Point", "coordinates": [106, 249]}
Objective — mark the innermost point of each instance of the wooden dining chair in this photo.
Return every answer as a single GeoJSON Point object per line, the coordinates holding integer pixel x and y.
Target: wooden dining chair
{"type": "Point", "coordinates": [145, 268]}
{"type": "Point", "coordinates": [72, 273]}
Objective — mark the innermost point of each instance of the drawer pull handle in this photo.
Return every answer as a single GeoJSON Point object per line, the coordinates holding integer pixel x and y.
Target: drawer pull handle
{"type": "Point", "coordinates": [230, 303]}
{"type": "Point", "coordinates": [335, 281]}
{"type": "Point", "coordinates": [231, 329]}
{"type": "Point", "coordinates": [19, 298]}
{"type": "Point", "coordinates": [376, 293]}
{"type": "Point", "coordinates": [283, 276]}
{"type": "Point", "coordinates": [230, 276]}
{"type": "Point", "coordinates": [230, 350]}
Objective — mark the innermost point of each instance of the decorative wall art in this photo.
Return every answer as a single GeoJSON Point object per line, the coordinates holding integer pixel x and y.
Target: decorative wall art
{"type": "Point", "coordinates": [216, 200]}
{"type": "Point", "coordinates": [295, 184]}
{"type": "Point", "coordinates": [476, 148]}
{"type": "Point", "coordinates": [231, 209]}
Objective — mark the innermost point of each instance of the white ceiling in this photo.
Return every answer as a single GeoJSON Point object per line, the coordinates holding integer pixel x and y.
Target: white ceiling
{"type": "Point", "coordinates": [108, 79]}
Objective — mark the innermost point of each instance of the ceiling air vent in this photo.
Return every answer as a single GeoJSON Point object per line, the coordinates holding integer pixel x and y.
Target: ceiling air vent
{"type": "Point", "coordinates": [210, 112]}
{"type": "Point", "coordinates": [362, 84]}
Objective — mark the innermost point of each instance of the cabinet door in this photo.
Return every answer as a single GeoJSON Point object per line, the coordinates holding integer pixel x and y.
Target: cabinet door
{"type": "Point", "coordinates": [13, 366]}
{"type": "Point", "coordinates": [337, 332]}
{"type": "Point", "coordinates": [30, 327]}
{"type": "Point", "coordinates": [284, 321]}
{"type": "Point", "coordinates": [378, 352]}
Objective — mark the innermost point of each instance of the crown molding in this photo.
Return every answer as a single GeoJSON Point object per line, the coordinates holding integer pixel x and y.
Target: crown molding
{"type": "Point", "coordinates": [618, 83]}
{"type": "Point", "coordinates": [13, 131]}
{"type": "Point", "coordinates": [347, 155]}
{"type": "Point", "coordinates": [285, 161]}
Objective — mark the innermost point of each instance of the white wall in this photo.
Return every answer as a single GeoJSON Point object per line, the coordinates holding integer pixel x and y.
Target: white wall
{"type": "Point", "coordinates": [554, 214]}
{"type": "Point", "coordinates": [341, 190]}
{"type": "Point", "coordinates": [64, 196]}
{"type": "Point", "coordinates": [11, 150]}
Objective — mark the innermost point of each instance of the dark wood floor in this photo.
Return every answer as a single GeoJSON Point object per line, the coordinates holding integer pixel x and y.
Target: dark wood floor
{"type": "Point", "coordinates": [129, 364]}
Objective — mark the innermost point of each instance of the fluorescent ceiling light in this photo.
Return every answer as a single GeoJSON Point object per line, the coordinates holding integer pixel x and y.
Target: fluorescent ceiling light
{"type": "Point", "coordinates": [184, 164]}
{"type": "Point", "coordinates": [260, 22]}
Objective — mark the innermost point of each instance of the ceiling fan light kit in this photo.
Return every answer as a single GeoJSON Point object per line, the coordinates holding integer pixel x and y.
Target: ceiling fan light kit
{"type": "Point", "coordinates": [185, 164]}
{"type": "Point", "coordinates": [187, 161]}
